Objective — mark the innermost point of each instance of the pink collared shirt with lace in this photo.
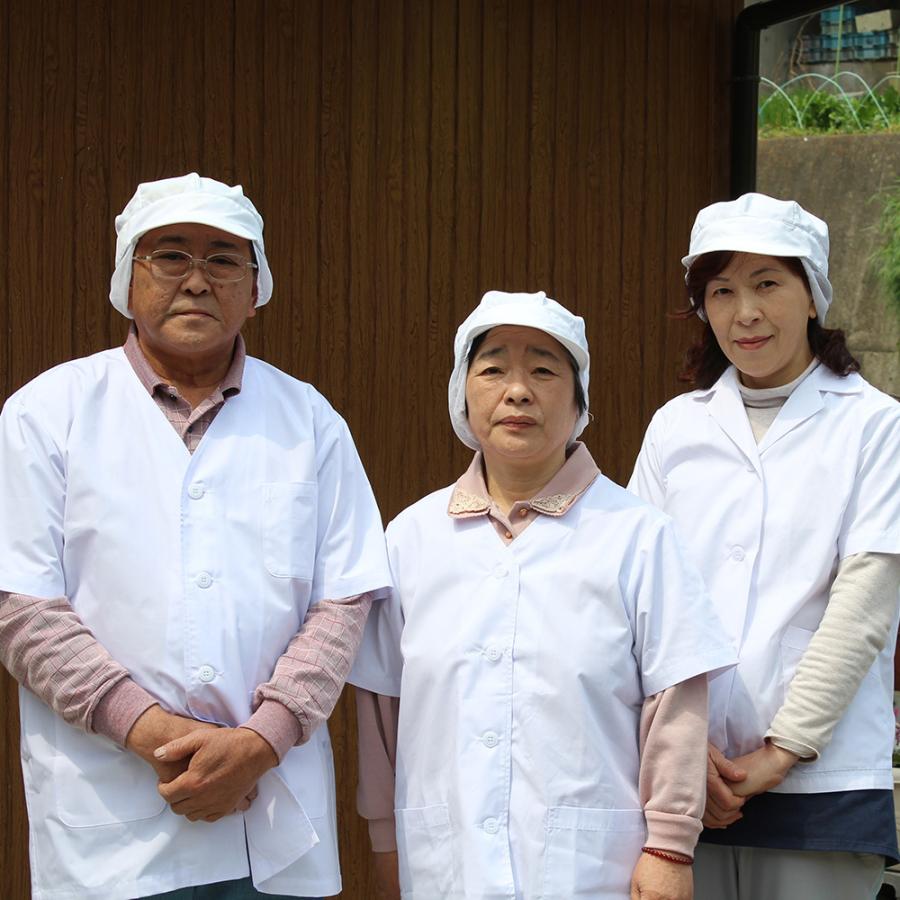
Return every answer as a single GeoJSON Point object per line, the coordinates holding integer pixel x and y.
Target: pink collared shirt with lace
{"type": "Point", "coordinates": [47, 648]}
{"type": "Point", "coordinates": [672, 781]}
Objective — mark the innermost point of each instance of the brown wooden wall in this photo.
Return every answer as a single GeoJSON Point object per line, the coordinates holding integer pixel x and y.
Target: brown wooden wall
{"type": "Point", "coordinates": [406, 156]}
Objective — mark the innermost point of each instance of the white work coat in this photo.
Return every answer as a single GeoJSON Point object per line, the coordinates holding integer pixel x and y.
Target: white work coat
{"type": "Point", "coordinates": [768, 525]}
{"type": "Point", "coordinates": [522, 670]}
{"type": "Point", "coordinates": [194, 572]}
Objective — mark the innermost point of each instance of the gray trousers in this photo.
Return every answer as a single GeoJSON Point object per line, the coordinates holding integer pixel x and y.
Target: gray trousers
{"type": "Point", "coordinates": [750, 873]}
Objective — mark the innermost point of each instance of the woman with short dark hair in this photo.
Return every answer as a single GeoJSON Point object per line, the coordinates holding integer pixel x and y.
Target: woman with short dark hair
{"type": "Point", "coordinates": [548, 646]}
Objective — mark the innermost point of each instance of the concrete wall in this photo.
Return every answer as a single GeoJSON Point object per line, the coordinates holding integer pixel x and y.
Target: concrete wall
{"type": "Point", "coordinates": [840, 178]}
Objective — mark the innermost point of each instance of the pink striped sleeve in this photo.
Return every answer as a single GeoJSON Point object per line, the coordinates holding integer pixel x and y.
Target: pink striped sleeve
{"type": "Point", "coordinates": [48, 649]}
{"type": "Point", "coordinates": [310, 674]}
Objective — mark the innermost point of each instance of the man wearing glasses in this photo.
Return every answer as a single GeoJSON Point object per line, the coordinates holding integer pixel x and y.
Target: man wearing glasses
{"type": "Point", "coordinates": [189, 548]}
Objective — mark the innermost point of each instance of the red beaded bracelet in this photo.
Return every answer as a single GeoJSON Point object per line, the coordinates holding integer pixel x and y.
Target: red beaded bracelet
{"type": "Point", "coordinates": [671, 857]}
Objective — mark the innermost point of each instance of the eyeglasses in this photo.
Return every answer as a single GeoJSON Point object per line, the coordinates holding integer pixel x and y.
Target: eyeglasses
{"type": "Point", "coordinates": [225, 268]}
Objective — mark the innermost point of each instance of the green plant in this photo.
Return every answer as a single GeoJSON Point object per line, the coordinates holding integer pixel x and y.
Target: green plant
{"type": "Point", "coordinates": [824, 112]}
{"type": "Point", "coordinates": [887, 258]}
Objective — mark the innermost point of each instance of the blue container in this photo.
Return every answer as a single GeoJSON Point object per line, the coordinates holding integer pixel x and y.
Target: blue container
{"type": "Point", "coordinates": [864, 39]}
{"type": "Point", "coordinates": [833, 15]}
{"type": "Point", "coordinates": [834, 29]}
{"type": "Point", "coordinates": [873, 52]}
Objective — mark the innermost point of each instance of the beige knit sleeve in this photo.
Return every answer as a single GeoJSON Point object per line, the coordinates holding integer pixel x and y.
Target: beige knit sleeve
{"type": "Point", "coordinates": [854, 630]}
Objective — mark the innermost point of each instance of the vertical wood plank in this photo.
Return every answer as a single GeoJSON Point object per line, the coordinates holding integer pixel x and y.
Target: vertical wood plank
{"type": "Point", "coordinates": [6, 173]}
{"type": "Point", "coordinates": [542, 205]}
{"type": "Point", "coordinates": [517, 180]}
{"type": "Point", "coordinates": [416, 151]}
{"type": "Point", "coordinates": [443, 230]}
{"type": "Point", "coordinates": [494, 67]}
{"type": "Point", "coordinates": [35, 331]}
{"type": "Point", "coordinates": [566, 183]}
{"type": "Point", "coordinates": [126, 127]}
{"type": "Point", "coordinates": [627, 302]}
{"type": "Point", "coordinates": [14, 846]}
{"type": "Point", "coordinates": [92, 235]}
{"type": "Point", "coordinates": [389, 248]}
{"type": "Point", "coordinates": [470, 178]}
{"type": "Point", "coordinates": [366, 320]}
{"type": "Point", "coordinates": [252, 21]}
{"type": "Point", "coordinates": [655, 288]}
{"type": "Point", "coordinates": [217, 100]}
{"type": "Point", "coordinates": [334, 247]}
{"type": "Point", "coordinates": [58, 176]}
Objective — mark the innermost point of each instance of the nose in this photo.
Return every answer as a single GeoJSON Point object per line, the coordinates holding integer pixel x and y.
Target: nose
{"type": "Point", "coordinates": [196, 280]}
{"type": "Point", "coordinates": [518, 391]}
{"type": "Point", "coordinates": [747, 309]}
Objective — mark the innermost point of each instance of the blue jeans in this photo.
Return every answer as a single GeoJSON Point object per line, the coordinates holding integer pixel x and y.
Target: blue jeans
{"type": "Point", "coordinates": [240, 889]}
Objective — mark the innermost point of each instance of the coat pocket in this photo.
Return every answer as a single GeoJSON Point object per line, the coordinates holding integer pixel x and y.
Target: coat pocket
{"type": "Point", "coordinates": [289, 528]}
{"type": "Point", "coordinates": [591, 853]}
{"type": "Point", "coordinates": [97, 783]}
{"type": "Point", "coordinates": [425, 851]}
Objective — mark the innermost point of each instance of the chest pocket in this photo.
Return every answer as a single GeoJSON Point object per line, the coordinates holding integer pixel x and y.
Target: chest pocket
{"type": "Point", "coordinates": [289, 529]}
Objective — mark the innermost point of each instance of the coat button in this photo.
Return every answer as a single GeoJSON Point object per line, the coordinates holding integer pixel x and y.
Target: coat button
{"type": "Point", "coordinates": [206, 674]}
{"type": "Point", "coordinates": [204, 580]}
{"type": "Point", "coordinates": [490, 739]}
{"type": "Point", "coordinates": [491, 825]}
{"type": "Point", "coordinates": [737, 554]}
{"type": "Point", "coordinates": [196, 491]}
{"type": "Point", "coordinates": [500, 571]}
{"type": "Point", "coordinates": [493, 653]}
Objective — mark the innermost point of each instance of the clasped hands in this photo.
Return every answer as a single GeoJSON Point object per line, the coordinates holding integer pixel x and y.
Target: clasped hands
{"type": "Point", "coordinates": [205, 772]}
{"type": "Point", "coordinates": [730, 782]}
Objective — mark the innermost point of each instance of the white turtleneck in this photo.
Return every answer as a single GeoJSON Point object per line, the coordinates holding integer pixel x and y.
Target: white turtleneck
{"type": "Point", "coordinates": [853, 631]}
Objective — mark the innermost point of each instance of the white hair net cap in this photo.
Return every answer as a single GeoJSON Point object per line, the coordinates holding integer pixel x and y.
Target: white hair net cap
{"type": "Point", "coordinates": [187, 198]}
{"type": "Point", "coordinates": [755, 223]}
{"type": "Point", "coordinates": [531, 311]}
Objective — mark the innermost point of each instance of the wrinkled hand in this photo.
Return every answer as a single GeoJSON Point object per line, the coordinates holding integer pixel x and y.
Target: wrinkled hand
{"type": "Point", "coordinates": [659, 879]}
{"type": "Point", "coordinates": [387, 875]}
{"type": "Point", "coordinates": [225, 765]}
{"type": "Point", "coordinates": [156, 727]}
{"type": "Point", "coordinates": [723, 805]}
{"type": "Point", "coordinates": [766, 768]}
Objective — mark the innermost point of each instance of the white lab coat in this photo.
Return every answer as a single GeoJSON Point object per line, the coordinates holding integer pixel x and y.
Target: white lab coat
{"type": "Point", "coordinates": [194, 571]}
{"type": "Point", "coordinates": [522, 670]}
{"type": "Point", "coordinates": [768, 525]}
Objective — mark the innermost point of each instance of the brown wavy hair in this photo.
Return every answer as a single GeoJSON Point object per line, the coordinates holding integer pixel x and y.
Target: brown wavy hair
{"type": "Point", "coordinates": [705, 362]}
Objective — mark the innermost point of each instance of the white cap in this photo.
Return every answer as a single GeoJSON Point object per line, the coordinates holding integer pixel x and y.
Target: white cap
{"type": "Point", "coordinates": [763, 225]}
{"type": "Point", "coordinates": [187, 198]}
{"type": "Point", "coordinates": [531, 311]}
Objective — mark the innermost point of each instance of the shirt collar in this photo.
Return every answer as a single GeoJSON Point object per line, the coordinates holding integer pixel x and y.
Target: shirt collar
{"type": "Point", "coordinates": [470, 495]}
{"type": "Point", "coordinates": [231, 383]}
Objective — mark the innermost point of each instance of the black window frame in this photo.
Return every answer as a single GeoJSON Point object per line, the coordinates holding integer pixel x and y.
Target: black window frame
{"type": "Point", "coordinates": [745, 81]}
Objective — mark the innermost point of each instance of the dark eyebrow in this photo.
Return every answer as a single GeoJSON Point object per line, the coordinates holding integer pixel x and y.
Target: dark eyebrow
{"type": "Point", "coordinates": [546, 354]}
{"type": "Point", "coordinates": [754, 274]}
{"type": "Point", "coordinates": [491, 353]}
